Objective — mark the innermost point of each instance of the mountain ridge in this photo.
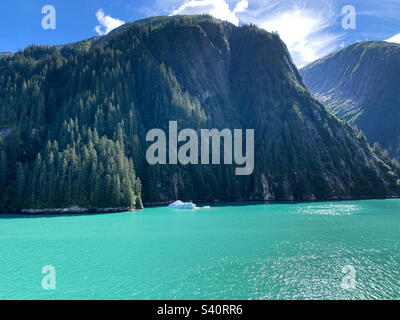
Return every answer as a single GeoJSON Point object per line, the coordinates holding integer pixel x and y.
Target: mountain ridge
{"type": "Point", "coordinates": [90, 109]}
{"type": "Point", "coordinates": [360, 84]}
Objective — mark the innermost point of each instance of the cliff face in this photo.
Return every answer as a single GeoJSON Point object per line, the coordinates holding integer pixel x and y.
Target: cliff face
{"type": "Point", "coordinates": [202, 73]}
{"type": "Point", "coordinates": [361, 84]}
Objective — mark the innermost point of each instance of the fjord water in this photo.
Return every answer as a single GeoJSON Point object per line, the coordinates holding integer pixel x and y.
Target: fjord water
{"type": "Point", "coordinates": [265, 251]}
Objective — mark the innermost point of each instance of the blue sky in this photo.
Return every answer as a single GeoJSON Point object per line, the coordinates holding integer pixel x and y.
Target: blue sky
{"type": "Point", "coordinates": [310, 28]}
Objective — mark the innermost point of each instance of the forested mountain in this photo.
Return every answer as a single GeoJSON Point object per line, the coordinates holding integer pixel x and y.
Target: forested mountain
{"type": "Point", "coordinates": [74, 120]}
{"type": "Point", "coordinates": [361, 84]}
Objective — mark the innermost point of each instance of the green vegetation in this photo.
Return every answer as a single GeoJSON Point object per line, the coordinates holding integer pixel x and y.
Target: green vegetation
{"type": "Point", "coordinates": [360, 84]}
{"type": "Point", "coordinates": [80, 113]}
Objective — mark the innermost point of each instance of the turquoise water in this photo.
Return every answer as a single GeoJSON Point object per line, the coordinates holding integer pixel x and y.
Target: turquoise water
{"type": "Point", "coordinates": [268, 251]}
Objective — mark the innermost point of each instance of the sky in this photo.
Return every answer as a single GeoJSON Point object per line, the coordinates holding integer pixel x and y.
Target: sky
{"type": "Point", "coordinates": [310, 28]}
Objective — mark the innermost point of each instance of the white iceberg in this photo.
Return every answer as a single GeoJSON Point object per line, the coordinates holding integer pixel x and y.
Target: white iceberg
{"type": "Point", "coordinates": [182, 205]}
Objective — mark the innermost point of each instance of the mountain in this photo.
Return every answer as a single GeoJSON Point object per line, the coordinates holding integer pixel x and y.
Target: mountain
{"type": "Point", "coordinates": [5, 54]}
{"type": "Point", "coordinates": [77, 118]}
{"type": "Point", "coordinates": [361, 84]}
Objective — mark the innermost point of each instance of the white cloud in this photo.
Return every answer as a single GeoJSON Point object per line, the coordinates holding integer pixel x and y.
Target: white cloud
{"type": "Point", "coordinates": [107, 23]}
{"type": "Point", "coordinates": [395, 38]}
{"type": "Point", "coordinates": [303, 25]}
{"type": "Point", "coordinates": [303, 31]}
{"type": "Point", "coordinates": [241, 6]}
{"type": "Point", "coordinates": [217, 8]}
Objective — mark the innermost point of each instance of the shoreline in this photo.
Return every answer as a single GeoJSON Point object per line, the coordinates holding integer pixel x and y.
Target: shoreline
{"type": "Point", "coordinates": [88, 211]}
{"type": "Point", "coordinates": [67, 211]}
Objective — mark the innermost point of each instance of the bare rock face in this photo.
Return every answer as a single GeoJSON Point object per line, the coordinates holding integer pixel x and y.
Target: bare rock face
{"type": "Point", "coordinates": [5, 131]}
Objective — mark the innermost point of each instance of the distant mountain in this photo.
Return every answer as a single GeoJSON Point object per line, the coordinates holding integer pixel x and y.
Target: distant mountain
{"type": "Point", "coordinates": [5, 54]}
{"type": "Point", "coordinates": [80, 113]}
{"type": "Point", "coordinates": [361, 84]}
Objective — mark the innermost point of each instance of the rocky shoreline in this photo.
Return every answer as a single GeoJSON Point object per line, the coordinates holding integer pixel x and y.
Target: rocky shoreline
{"type": "Point", "coordinates": [74, 210]}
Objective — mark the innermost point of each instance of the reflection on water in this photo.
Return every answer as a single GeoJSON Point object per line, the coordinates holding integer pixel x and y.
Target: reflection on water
{"type": "Point", "coordinates": [267, 251]}
{"type": "Point", "coordinates": [332, 209]}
